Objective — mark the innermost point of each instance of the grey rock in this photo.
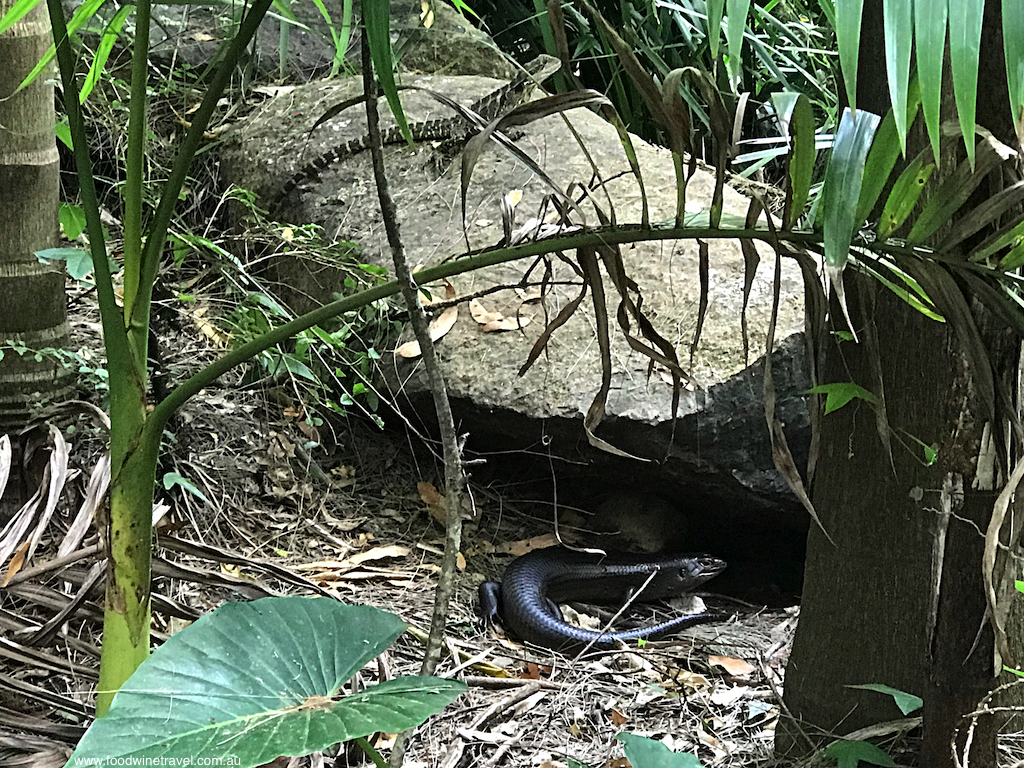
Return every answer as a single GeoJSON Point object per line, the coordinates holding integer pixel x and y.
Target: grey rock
{"type": "Point", "coordinates": [713, 461]}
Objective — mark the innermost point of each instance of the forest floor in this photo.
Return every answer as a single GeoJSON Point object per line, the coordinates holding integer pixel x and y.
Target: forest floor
{"type": "Point", "coordinates": [346, 507]}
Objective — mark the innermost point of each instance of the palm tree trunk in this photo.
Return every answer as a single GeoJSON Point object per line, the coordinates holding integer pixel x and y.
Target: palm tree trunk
{"type": "Point", "coordinates": [32, 302]}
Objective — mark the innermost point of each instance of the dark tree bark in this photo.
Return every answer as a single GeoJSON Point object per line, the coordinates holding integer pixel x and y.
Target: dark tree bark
{"type": "Point", "coordinates": [899, 599]}
{"type": "Point", "coordinates": [32, 303]}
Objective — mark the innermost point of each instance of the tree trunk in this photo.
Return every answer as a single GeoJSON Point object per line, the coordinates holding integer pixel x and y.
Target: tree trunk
{"type": "Point", "coordinates": [899, 599]}
{"type": "Point", "coordinates": [32, 303]}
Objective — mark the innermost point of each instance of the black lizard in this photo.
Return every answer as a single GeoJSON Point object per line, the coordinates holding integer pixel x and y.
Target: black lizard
{"type": "Point", "coordinates": [491, 106]}
{"type": "Point", "coordinates": [534, 582]}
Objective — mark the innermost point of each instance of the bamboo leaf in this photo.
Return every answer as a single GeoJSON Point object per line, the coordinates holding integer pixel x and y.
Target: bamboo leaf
{"type": "Point", "coordinates": [930, 32]}
{"type": "Point", "coordinates": [737, 12]}
{"type": "Point", "coordinates": [842, 192]}
{"type": "Point", "coordinates": [110, 33]}
{"type": "Point", "coordinates": [1013, 49]}
{"type": "Point", "coordinates": [85, 12]}
{"type": "Point", "coordinates": [899, 37]}
{"type": "Point", "coordinates": [905, 194]}
{"type": "Point", "coordinates": [848, 16]}
{"type": "Point", "coordinates": [964, 47]}
{"type": "Point", "coordinates": [715, 9]}
{"type": "Point", "coordinates": [376, 20]}
{"type": "Point", "coordinates": [21, 8]}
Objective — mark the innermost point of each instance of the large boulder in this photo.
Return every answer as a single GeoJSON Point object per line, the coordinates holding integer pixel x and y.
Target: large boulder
{"type": "Point", "coordinates": [713, 463]}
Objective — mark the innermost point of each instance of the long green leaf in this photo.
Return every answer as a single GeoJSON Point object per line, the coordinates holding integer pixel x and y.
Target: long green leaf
{"type": "Point", "coordinates": [848, 16]}
{"type": "Point", "coordinates": [841, 194]}
{"type": "Point", "coordinates": [843, 184]}
{"type": "Point", "coordinates": [964, 48]}
{"type": "Point", "coordinates": [737, 13]}
{"type": "Point", "coordinates": [989, 211]}
{"type": "Point", "coordinates": [930, 40]}
{"type": "Point", "coordinates": [377, 27]}
{"type": "Point", "coordinates": [885, 149]}
{"type": "Point", "coordinates": [1013, 49]}
{"type": "Point", "coordinates": [955, 190]}
{"type": "Point", "coordinates": [715, 10]}
{"type": "Point", "coordinates": [17, 12]}
{"type": "Point", "coordinates": [110, 33]}
{"type": "Point", "coordinates": [899, 38]}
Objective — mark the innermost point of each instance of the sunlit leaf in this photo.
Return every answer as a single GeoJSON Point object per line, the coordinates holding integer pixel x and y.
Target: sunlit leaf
{"type": "Point", "coordinates": [839, 394]}
{"type": "Point", "coordinates": [17, 12]}
{"type": "Point", "coordinates": [736, 10]}
{"type": "Point", "coordinates": [103, 50]}
{"type": "Point", "coordinates": [848, 16]}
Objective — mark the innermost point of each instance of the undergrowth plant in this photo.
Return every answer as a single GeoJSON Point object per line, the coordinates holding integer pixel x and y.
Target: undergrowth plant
{"type": "Point", "coordinates": [845, 231]}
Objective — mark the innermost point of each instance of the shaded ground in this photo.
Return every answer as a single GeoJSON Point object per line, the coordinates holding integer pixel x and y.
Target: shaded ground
{"type": "Point", "coordinates": [348, 515]}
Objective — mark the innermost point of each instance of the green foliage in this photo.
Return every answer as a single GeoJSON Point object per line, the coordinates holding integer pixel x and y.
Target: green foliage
{"type": "Point", "coordinates": [252, 681]}
{"type": "Point", "coordinates": [648, 753]}
{"type": "Point", "coordinates": [907, 702]}
{"type": "Point", "coordinates": [329, 364]}
{"type": "Point", "coordinates": [172, 479]}
{"type": "Point", "coordinates": [839, 394]}
{"type": "Point", "coordinates": [775, 47]}
{"type": "Point", "coordinates": [92, 375]}
{"type": "Point", "coordinates": [850, 754]}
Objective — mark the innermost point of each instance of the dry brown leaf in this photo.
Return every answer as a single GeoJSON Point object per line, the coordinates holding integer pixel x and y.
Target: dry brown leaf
{"type": "Point", "coordinates": [535, 671]}
{"type": "Point", "coordinates": [366, 575]}
{"type": "Point", "coordinates": [521, 547]}
{"type": "Point", "coordinates": [618, 762]}
{"type": "Point", "coordinates": [379, 553]}
{"type": "Point", "coordinates": [208, 329]}
{"type": "Point", "coordinates": [530, 295]}
{"type": "Point", "coordinates": [735, 667]}
{"type": "Point", "coordinates": [460, 561]}
{"type": "Point", "coordinates": [439, 326]}
{"type": "Point", "coordinates": [17, 561]}
{"type": "Point", "coordinates": [506, 324]}
{"type": "Point", "coordinates": [617, 717]}
{"type": "Point", "coordinates": [434, 500]}
{"type": "Point", "coordinates": [481, 314]}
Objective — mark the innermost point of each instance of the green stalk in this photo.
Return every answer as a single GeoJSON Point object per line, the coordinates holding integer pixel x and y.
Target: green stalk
{"type": "Point", "coordinates": [179, 171]}
{"type": "Point", "coordinates": [127, 607]}
{"type": "Point", "coordinates": [134, 170]}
